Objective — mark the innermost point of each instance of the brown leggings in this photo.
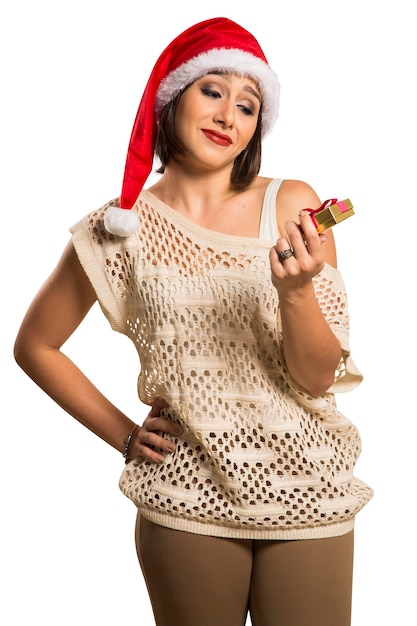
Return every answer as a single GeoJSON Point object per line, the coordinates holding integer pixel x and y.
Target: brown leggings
{"type": "Point", "coordinates": [194, 580]}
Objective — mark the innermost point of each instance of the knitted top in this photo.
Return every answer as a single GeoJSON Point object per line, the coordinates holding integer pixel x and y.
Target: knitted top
{"type": "Point", "coordinates": [258, 457]}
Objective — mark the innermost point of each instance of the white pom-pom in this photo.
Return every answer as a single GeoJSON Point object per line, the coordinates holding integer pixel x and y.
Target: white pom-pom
{"type": "Point", "coordinates": [121, 222]}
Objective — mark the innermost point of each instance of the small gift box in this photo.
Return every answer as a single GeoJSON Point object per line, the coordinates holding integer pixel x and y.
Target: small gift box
{"type": "Point", "coordinates": [331, 212]}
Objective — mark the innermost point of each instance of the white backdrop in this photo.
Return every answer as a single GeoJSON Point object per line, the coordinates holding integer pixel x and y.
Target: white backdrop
{"type": "Point", "coordinates": [72, 75]}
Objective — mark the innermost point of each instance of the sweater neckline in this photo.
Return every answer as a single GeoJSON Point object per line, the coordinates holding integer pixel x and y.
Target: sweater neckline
{"type": "Point", "coordinates": [185, 222]}
{"type": "Point", "coordinates": [215, 236]}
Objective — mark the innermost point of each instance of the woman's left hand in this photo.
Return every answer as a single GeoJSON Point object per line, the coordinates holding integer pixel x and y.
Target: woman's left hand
{"type": "Point", "coordinates": [298, 257]}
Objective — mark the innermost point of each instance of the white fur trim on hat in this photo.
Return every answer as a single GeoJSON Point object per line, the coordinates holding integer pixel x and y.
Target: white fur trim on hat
{"type": "Point", "coordinates": [121, 222]}
{"type": "Point", "coordinates": [228, 59]}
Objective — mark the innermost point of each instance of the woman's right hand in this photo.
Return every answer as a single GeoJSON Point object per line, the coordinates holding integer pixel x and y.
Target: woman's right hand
{"type": "Point", "coordinates": [150, 442]}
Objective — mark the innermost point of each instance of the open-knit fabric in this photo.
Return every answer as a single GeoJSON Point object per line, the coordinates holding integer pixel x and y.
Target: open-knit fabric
{"type": "Point", "coordinates": [258, 457]}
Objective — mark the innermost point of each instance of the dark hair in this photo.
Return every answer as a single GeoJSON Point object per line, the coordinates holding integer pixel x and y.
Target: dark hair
{"type": "Point", "coordinates": [246, 166]}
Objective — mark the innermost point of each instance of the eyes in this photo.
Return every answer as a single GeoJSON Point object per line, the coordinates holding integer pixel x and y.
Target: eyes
{"type": "Point", "coordinates": [211, 93]}
{"type": "Point", "coordinates": [247, 103]}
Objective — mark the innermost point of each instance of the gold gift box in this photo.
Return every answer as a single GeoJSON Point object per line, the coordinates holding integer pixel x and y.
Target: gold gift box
{"type": "Point", "coordinates": [333, 214]}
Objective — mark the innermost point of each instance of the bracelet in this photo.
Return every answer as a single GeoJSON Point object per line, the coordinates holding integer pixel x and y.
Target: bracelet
{"type": "Point", "coordinates": [127, 442]}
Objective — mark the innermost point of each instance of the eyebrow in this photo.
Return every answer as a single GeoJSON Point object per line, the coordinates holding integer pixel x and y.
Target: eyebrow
{"type": "Point", "coordinates": [247, 88]}
{"type": "Point", "coordinates": [253, 92]}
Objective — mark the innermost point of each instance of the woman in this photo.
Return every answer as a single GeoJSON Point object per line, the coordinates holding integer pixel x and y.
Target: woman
{"type": "Point", "coordinates": [243, 470]}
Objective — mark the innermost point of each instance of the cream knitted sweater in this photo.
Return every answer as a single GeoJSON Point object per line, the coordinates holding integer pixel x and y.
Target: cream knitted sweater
{"type": "Point", "coordinates": [258, 457]}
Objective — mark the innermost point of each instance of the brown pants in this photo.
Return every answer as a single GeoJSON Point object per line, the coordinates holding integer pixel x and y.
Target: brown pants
{"type": "Point", "coordinates": [195, 580]}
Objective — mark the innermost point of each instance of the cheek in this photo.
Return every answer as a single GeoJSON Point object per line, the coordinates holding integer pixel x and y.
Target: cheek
{"type": "Point", "coordinates": [181, 127]}
{"type": "Point", "coordinates": [194, 106]}
{"type": "Point", "coordinates": [185, 114]}
{"type": "Point", "coordinates": [189, 104]}
{"type": "Point", "coordinates": [191, 113]}
{"type": "Point", "coordinates": [181, 117]}
{"type": "Point", "coordinates": [249, 130]}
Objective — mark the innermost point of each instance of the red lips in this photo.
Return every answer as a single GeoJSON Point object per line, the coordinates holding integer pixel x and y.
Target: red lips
{"type": "Point", "coordinates": [216, 137]}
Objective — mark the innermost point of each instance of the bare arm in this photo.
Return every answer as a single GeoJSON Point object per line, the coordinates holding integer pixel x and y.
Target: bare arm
{"type": "Point", "coordinates": [311, 350]}
{"type": "Point", "coordinates": [55, 313]}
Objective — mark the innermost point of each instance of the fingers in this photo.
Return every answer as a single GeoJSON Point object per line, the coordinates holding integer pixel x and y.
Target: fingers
{"type": "Point", "coordinates": [160, 424]}
{"type": "Point", "coordinates": [154, 439]}
{"type": "Point", "coordinates": [296, 258]}
{"type": "Point", "coordinates": [153, 446]}
{"type": "Point", "coordinates": [311, 239]}
{"type": "Point", "coordinates": [302, 239]}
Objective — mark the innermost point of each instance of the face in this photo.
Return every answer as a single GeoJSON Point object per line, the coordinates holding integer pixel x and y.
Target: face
{"type": "Point", "coordinates": [216, 118]}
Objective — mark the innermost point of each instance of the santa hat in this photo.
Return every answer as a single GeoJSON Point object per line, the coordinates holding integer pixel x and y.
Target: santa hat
{"type": "Point", "coordinates": [212, 45]}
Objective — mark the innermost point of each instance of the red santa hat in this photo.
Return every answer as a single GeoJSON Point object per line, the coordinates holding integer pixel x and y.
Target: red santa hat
{"type": "Point", "coordinates": [212, 45]}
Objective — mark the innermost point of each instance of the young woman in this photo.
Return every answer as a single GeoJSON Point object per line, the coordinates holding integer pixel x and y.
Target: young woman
{"type": "Point", "coordinates": [243, 470]}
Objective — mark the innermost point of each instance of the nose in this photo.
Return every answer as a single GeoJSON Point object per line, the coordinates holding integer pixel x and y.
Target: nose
{"type": "Point", "coordinates": [225, 115]}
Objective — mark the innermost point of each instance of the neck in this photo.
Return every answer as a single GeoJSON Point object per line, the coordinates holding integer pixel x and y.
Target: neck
{"type": "Point", "coordinates": [210, 201]}
{"type": "Point", "coordinates": [191, 192]}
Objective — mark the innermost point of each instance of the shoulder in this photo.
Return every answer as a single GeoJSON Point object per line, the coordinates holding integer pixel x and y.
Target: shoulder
{"type": "Point", "coordinates": [93, 222]}
{"type": "Point", "coordinates": [293, 196]}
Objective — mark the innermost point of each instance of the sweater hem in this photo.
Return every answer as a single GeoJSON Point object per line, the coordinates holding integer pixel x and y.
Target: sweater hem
{"type": "Point", "coordinates": [223, 531]}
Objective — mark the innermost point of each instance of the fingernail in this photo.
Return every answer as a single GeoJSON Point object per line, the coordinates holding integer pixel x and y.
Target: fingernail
{"type": "Point", "coordinates": [171, 447]}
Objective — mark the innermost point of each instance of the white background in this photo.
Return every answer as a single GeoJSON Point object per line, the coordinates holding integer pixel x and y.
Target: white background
{"type": "Point", "coordinates": [72, 74]}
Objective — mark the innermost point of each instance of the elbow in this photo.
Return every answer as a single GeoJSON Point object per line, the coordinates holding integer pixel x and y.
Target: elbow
{"type": "Point", "coordinates": [319, 388]}
{"type": "Point", "coordinates": [23, 352]}
{"type": "Point", "coordinates": [19, 353]}
{"type": "Point", "coordinates": [324, 381]}
{"type": "Point", "coordinates": [319, 384]}
{"type": "Point", "coordinates": [318, 380]}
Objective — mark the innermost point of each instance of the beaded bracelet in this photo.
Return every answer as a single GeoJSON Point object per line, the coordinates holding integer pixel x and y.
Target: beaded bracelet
{"type": "Point", "coordinates": [127, 442]}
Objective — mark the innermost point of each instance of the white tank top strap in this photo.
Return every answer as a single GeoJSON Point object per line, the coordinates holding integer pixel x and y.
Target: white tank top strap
{"type": "Point", "coordinates": [268, 227]}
